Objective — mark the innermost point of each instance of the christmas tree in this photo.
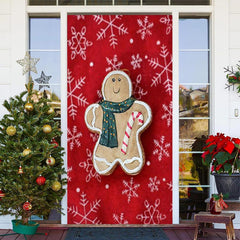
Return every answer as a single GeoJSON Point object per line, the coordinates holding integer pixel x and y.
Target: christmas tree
{"type": "Point", "coordinates": [31, 163]}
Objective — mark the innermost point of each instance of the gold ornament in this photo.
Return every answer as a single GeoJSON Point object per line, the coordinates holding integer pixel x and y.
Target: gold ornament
{"type": "Point", "coordinates": [56, 186]}
{"type": "Point", "coordinates": [47, 128]}
{"type": "Point", "coordinates": [28, 107]}
{"type": "Point", "coordinates": [26, 152]}
{"type": "Point", "coordinates": [50, 111]}
{"type": "Point", "coordinates": [11, 130]}
{"type": "Point", "coordinates": [50, 161]}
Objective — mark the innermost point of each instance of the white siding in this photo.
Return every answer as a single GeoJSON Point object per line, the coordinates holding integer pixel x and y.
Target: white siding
{"type": "Point", "coordinates": [5, 52]}
{"type": "Point", "coordinates": [5, 42]}
{"type": "Point", "coordinates": [234, 58]}
{"type": "Point", "coordinates": [234, 6]}
{"type": "Point", "coordinates": [5, 7]}
{"type": "Point", "coordinates": [12, 47]}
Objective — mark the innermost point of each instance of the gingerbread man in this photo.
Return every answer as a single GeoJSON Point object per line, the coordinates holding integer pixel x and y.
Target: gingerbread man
{"type": "Point", "coordinates": [120, 120]}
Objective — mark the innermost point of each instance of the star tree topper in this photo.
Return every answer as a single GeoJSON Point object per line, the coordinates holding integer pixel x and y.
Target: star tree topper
{"type": "Point", "coordinates": [43, 81]}
{"type": "Point", "coordinates": [28, 63]}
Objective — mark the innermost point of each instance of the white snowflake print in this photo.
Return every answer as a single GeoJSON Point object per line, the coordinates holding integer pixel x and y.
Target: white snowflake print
{"type": "Point", "coordinates": [85, 212]}
{"type": "Point", "coordinates": [131, 189]}
{"type": "Point", "coordinates": [89, 168]}
{"type": "Point", "coordinates": [79, 17]}
{"type": "Point", "coordinates": [73, 137]}
{"type": "Point", "coordinates": [144, 27]}
{"type": "Point", "coordinates": [153, 184]}
{"type": "Point", "coordinates": [69, 169]}
{"type": "Point", "coordinates": [163, 68]}
{"type": "Point", "coordinates": [167, 113]}
{"type": "Point", "coordinates": [99, 94]}
{"type": "Point", "coordinates": [119, 219]}
{"type": "Point", "coordinates": [111, 26]}
{"type": "Point", "coordinates": [161, 148]}
{"type": "Point", "coordinates": [78, 43]}
{"type": "Point", "coordinates": [151, 215]}
{"type": "Point", "coordinates": [170, 186]}
{"type": "Point", "coordinates": [168, 21]}
{"type": "Point", "coordinates": [138, 91]}
{"type": "Point", "coordinates": [171, 208]}
{"type": "Point", "coordinates": [113, 64]}
{"type": "Point", "coordinates": [136, 61]}
{"type": "Point", "coordinates": [74, 97]}
{"type": "Point", "coordinates": [94, 136]}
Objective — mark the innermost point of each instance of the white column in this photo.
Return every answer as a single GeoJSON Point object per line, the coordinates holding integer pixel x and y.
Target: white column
{"type": "Point", "coordinates": [220, 58]}
{"type": "Point", "coordinates": [219, 42]}
{"type": "Point", "coordinates": [175, 123]}
{"type": "Point", "coordinates": [64, 100]}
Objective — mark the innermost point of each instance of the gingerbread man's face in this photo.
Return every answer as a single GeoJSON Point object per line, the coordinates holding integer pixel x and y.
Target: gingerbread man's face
{"type": "Point", "coordinates": [116, 87]}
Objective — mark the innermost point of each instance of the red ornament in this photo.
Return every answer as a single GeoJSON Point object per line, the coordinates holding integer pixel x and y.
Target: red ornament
{"type": "Point", "coordinates": [55, 143]}
{"type": "Point", "coordinates": [2, 194]}
{"type": "Point", "coordinates": [27, 206]}
{"type": "Point", "coordinates": [41, 180]}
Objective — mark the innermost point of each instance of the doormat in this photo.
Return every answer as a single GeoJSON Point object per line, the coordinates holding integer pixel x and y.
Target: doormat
{"type": "Point", "coordinates": [116, 233]}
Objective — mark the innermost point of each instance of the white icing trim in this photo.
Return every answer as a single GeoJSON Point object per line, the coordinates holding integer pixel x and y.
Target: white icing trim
{"type": "Point", "coordinates": [117, 72]}
{"type": "Point", "coordinates": [135, 170]}
{"type": "Point", "coordinates": [94, 115]}
{"type": "Point", "coordinates": [92, 127]}
{"type": "Point", "coordinates": [111, 165]}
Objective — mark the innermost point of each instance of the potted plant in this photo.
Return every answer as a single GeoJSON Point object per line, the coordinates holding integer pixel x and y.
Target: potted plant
{"type": "Point", "coordinates": [221, 154]}
{"type": "Point", "coordinates": [31, 163]}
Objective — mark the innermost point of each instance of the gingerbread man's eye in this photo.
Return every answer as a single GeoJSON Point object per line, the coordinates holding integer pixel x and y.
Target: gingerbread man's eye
{"type": "Point", "coordinates": [113, 79]}
{"type": "Point", "coordinates": [119, 79]}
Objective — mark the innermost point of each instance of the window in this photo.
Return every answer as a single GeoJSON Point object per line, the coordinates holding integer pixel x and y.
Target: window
{"type": "Point", "coordinates": [44, 43]}
{"type": "Point", "coordinates": [194, 115]}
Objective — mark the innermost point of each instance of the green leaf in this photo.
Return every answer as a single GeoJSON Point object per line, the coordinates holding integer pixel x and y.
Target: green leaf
{"type": "Point", "coordinates": [208, 159]}
{"type": "Point", "coordinates": [233, 155]}
{"type": "Point", "coordinates": [238, 163]}
{"type": "Point", "coordinates": [227, 167]}
{"type": "Point", "coordinates": [211, 148]}
{"type": "Point", "coordinates": [222, 157]}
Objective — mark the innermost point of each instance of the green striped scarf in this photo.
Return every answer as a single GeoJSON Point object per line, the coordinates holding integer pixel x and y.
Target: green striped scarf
{"type": "Point", "coordinates": [109, 129]}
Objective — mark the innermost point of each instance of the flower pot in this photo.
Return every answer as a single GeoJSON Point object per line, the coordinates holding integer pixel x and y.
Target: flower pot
{"type": "Point", "coordinates": [228, 184]}
{"type": "Point", "coordinates": [28, 229]}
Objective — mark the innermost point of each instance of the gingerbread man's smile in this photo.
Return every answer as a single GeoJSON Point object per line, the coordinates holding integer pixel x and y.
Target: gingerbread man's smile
{"type": "Point", "coordinates": [116, 92]}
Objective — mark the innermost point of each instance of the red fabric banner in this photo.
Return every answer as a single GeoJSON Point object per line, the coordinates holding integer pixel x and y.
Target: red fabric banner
{"type": "Point", "coordinates": [98, 44]}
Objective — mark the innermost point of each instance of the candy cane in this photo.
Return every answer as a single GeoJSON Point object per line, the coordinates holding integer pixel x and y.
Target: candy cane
{"type": "Point", "coordinates": [131, 120]}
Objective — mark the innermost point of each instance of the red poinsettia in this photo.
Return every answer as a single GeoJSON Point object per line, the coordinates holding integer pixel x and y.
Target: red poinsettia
{"type": "Point", "coordinates": [222, 153]}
